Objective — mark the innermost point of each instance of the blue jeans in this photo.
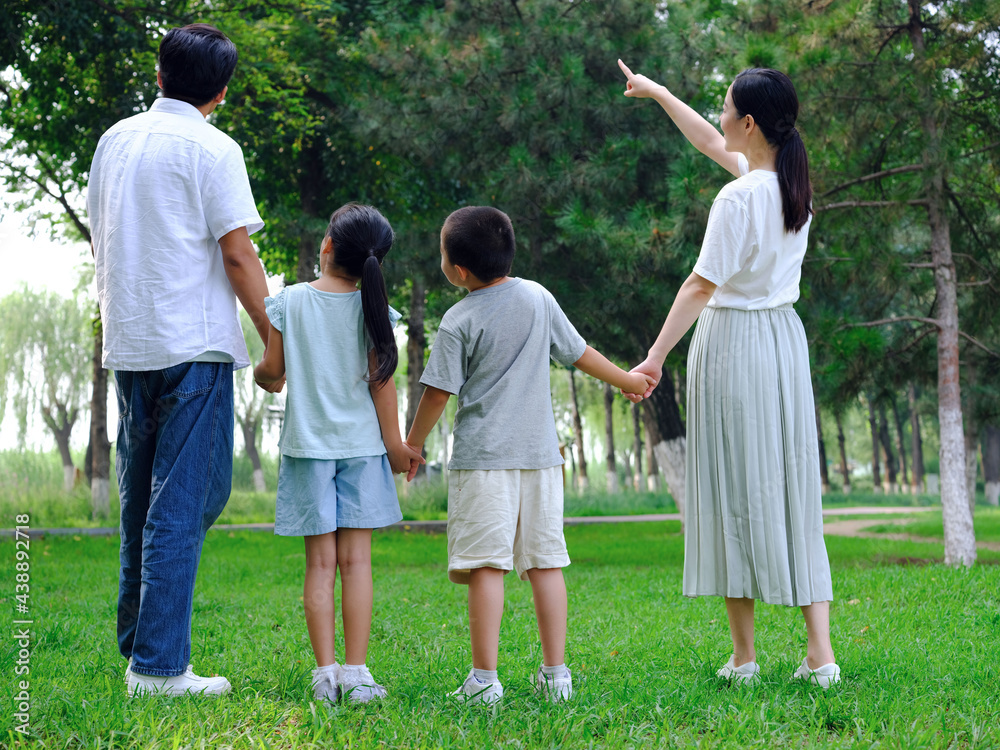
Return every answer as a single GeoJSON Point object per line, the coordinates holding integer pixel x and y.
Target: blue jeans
{"type": "Point", "coordinates": [175, 471]}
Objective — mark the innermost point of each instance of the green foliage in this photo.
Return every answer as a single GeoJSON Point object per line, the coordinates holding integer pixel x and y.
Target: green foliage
{"type": "Point", "coordinates": [43, 334]}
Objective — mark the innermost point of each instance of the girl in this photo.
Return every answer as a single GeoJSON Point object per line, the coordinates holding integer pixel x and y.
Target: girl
{"type": "Point", "coordinates": [340, 441]}
{"type": "Point", "coordinates": [753, 521]}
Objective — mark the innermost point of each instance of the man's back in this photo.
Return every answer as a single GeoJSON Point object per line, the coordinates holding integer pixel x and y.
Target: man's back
{"type": "Point", "coordinates": [164, 187]}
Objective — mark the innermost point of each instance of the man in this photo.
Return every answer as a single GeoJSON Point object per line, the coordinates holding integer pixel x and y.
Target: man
{"type": "Point", "coordinates": [172, 214]}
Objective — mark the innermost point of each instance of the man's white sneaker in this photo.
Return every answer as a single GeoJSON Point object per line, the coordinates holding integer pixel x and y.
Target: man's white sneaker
{"type": "Point", "coordinates": [474, 691]}
{"type": "Point", "coordinates": [187, 683]}
{"type": "Point", "coordinates": [554, 687]}
{"type": "Point", "coordinates": [745, 673]}
{"type": "Point", "coordinates": [357, 684]}
{"type": "Point", "coordinates": [324, 683]}
{"type": "Point", "coordinates": [823, 676]}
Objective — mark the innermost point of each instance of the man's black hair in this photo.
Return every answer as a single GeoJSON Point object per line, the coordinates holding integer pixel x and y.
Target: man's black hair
{"type": "Point", "coordinates": [481, 240]}
{"type": "Point", "coordinates": [196, 63]}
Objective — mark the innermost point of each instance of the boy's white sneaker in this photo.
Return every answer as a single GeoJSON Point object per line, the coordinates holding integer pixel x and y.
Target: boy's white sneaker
{"type": "Point", "coordinates": [474, 691]}
{"type": "Point", "coordinates": [324, 683]}
{"type": "Point", "coordinates": [748, 673]}
{"type": "Point", "coordinates": [823, 676]}
{"type": "Point", "coordinates": [357, 684]}
{"type": "Point", "coordinates": [554, 687]}
{"type": "Point", "coordinates": [183, 684]}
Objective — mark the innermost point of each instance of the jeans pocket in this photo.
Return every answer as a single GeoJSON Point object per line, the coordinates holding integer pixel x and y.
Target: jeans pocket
{"type": "Point", "coordinates": [190, 379]}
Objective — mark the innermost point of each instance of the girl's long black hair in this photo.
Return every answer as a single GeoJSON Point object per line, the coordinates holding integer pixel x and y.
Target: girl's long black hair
{"type": "Point", "coordinates": [769, 97]}
{"type": "Point", "coordinates": [361, 237]}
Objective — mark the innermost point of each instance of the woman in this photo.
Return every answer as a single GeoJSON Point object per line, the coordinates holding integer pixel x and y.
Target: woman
{"type": "Point", "coordinates": [754, 526]}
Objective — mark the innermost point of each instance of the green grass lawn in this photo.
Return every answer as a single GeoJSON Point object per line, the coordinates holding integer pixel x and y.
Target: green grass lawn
{"type": "Point", "coordinates": [986, 522]}
{"type": "Point", "coordinates": [919, 645]}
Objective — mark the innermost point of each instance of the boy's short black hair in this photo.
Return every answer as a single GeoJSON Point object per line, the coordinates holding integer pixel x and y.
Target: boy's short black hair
{"type": "Point", "coordinates": [196, 63]}
{"type": "Point", "coordinates": [481, 240]}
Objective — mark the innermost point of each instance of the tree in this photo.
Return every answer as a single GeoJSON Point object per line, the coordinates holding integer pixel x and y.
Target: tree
{"type": "Point", "coordinates": [44, 334]}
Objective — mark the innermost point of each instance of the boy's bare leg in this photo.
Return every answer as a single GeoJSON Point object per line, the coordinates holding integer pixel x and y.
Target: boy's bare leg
{"type": "Point", "coordinates": [318, 596]}
{"type": "Point", "coordinates": [548, 589]}
{"type": "Point", "coordinates": [354, 557]}
{"type": "Point", "coordinates": [819, 651]}
{"type": "Point", "coordinates": [485, 614]}
{"type": "Point", "coordinates": [740, 612]}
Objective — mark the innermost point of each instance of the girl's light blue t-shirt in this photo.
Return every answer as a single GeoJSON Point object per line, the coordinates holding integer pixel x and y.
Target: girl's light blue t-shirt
{"type": "Point", "coordinates": [329, 412]}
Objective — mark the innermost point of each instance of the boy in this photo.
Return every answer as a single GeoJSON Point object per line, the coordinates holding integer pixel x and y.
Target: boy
{"type": "Point", "coordinates": [505, 484]}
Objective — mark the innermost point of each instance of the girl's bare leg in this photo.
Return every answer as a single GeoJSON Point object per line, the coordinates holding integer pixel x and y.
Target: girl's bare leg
{"type": "Point", "coordinates": [548, 588]}
{"type": "Point", "coordinates": [740, 612]}
{"type": "Point", "coordinates": [354, 557]}
{"type": "Point", "coordinates": [318, 596]}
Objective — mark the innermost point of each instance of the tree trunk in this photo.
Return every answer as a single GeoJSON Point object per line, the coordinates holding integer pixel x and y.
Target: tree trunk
{"type": "Point", "coordinates": [652, 469]}
{"type": "Point", "coordinates": [890, 458]}
{"type": "Point", "coordinates": [824, 472]}
{"type": "Point", "coordinates": [844, 471]}
{"type": "Point", "coordinates": [250, 426]}
{"type": "Point", "coordinates": [917, 445]}
{"type": "Point", "coordinates": [669, 439]}
{"type": "Point", "coordinates": [581, 476]}
{"type": "Point", "coordinates": [100, 446]}
{"type": "Point", "coordinates": [637, 432]}
{"type": "Point", "coordinates": [959, 535]}
{"type": "Point", "coordinates": [310, 186]}
{"type": "Point", "coordinates": [873, 426]}
{"type": "Point", "coordinates": [991, 463]}
{"type": "Point", "coordinates": [900, 445]}
{"type": "Point", "coordinates": [609, 439]}
{"type": "Point", "coordinates": [61, 429]}
{"type": "Point", "coordinates": [416, 343]}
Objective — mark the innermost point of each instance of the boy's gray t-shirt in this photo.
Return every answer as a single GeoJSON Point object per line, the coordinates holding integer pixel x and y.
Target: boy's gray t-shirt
{"type": "Point", "coordinates": [492, 350]}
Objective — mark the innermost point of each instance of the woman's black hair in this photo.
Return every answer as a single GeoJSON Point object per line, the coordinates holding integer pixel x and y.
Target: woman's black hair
{"type": "Point", "coordinates": [196, 63]}
{"type": "Point", "coordinates": [769, 97]}
{"type": "Point", "coordinates": [361, 237]}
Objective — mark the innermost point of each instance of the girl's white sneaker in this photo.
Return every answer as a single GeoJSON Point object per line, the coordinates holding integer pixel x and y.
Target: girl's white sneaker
{"type": "Point", "coordinates": [745, 673]}
{"type": "Point", "coordinates": [324, 683]}
{"type": "Point", "coordinates": [357, 684]}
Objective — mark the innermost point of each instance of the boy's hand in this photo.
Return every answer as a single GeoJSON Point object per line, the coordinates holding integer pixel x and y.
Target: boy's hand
{"type": "Point", "coordinates": [272, 387]}
{"type": "Point", "coordinates": [411, 470]}
{"type": "Point", "coordinates": [642, 386]}
{"type": "Point", "coordinates": [403, 459]}
{"type": "Point", "coordinates": [638, 86]}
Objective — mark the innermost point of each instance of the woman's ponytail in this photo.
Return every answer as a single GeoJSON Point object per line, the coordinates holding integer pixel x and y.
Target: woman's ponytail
{"type": "Point", "coordinates": [769, 97]}
{"type": "Point", "coordinates": [361, 237]}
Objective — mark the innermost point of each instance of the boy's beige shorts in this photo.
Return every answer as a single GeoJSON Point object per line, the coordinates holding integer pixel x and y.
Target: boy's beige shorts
{"type": "Point", "coordinates": [510, 519]}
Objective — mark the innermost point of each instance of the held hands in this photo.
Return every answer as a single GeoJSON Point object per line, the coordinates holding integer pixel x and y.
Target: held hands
{"type": "Point", "coordinates": [638, 86]}
{"type": "Point", "coordinates": [641, 386]}
{"type": "Point", "coordinates": [414, 462]}
{"type": "Point", "coordinates": [650, 372]}
{"type": "Point", "coordinates": [274, 386]}
{"type": "Point", "coordinates": [404, 459]}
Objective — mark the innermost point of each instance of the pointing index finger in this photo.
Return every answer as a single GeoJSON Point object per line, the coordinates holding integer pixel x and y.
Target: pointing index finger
{"type": "Point", "coordinates": [625, 70]}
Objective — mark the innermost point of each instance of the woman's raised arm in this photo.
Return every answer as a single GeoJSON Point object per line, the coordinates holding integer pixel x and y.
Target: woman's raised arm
{"type": "Point", "coordinates": [699, 131]}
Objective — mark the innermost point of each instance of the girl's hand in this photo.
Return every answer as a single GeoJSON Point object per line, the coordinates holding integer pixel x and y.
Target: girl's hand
{"type": "Point", "coordinates": [403, 459]}
{"type": "Point", "coordinates": [274, 386]}
{"type": "Point", "coordinates": [638, 86]}
{"type": "Point", "coordinates": [414, 463]}
{"type": "Point", "coordinates": [643, 385]}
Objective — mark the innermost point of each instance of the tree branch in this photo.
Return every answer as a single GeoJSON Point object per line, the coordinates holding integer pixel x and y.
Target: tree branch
{"type": "Point", "coordinates": [871, 204]}
{"type": "Point", "coordinates": [887, 321]}
{"type": "Point", "coordinates": [974, 342]}
{"type": "Point", "coordinates": [874, 176]}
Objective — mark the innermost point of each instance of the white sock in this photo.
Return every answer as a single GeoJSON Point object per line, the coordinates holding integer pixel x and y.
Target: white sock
{"type": "Point", "coordinates": [325, 669]}
{"type": "Point", "coordinates": [557, 671]}
{"type": "Point", "coordinates": [485, 676]}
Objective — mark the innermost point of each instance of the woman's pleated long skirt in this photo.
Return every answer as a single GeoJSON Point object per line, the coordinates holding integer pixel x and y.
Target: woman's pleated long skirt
{"type": "Point", "coordinates": [753, 514]}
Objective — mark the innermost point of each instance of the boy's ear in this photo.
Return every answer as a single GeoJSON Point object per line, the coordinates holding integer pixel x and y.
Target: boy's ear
{"type": "Point", "coordinates": [326, 245]}
{"type": "Point", "coordinates": [463, 273]}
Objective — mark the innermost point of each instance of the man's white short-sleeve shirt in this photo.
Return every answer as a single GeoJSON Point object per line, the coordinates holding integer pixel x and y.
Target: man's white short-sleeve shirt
{"type": "Point", "coordinates": [164, 186]}
{"type": "Point", "coordinates": [746, 252]}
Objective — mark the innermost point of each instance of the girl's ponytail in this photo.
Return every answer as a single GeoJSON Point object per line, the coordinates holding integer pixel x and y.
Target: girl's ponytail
{"type": "Point", "coordinates": [375, 306]}
{"type": "Point", "coordinates": [361, 237]}
{"type": "Point", "coordinates": [769, 97]}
